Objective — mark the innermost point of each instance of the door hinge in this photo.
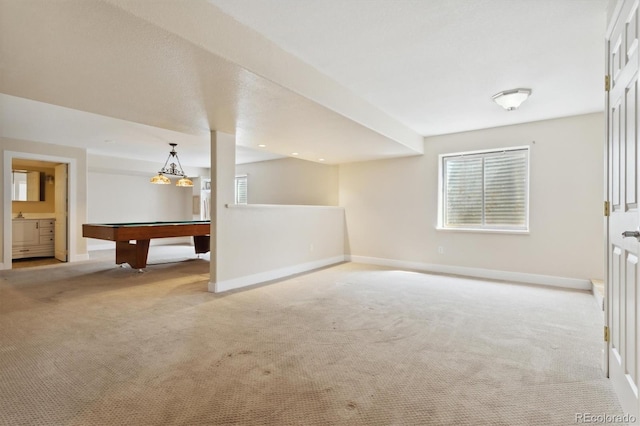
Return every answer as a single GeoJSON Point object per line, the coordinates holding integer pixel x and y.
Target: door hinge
{"type": "Point", "coordinates": [606, 333]}
{"type": "Point", "coordinates": [607, 83]}
{"type": "Point", "coordinates": [606, 209]}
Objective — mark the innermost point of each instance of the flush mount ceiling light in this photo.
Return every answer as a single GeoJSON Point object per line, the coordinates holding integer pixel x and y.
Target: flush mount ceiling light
{"type": "Point", "coordinates": [511, 99]}
{"type": "Point", "coordinates": [173, 169]}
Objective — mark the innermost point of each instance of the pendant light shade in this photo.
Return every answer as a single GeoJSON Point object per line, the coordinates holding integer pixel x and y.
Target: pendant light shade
{"type": "Point", "coordinates": [160, 179]}
{"type": "Point", "coordinates": [185, 181]}
{"type": "Point", "coordinates": [173, 169]}
{"type": "Point", "coordinates": [511, 99]}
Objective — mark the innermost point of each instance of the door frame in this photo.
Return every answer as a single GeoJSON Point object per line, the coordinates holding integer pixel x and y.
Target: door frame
{"type": "Point", "coordinates": [607, 183]}
{"type": "Point", "coordinates": [6, 202]}
{"type": "Point", "coordinates": [607, 203]}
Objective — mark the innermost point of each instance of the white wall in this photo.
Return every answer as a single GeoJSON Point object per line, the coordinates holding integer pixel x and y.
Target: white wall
{"type": "Point", "coordinates": [391, 207]}
{"type": "Point", "coordinates": [262, 242]}
{"type": "Point", "coordinates": [290, 181]}
{"type": "Point", "coordinates": [258, 243]}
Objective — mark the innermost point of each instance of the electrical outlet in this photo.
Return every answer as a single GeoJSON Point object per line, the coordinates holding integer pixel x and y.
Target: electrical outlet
{"type": "Point", "coordinates": [440, 250]}
{"type": "Point", "coordinates": [310, 247]}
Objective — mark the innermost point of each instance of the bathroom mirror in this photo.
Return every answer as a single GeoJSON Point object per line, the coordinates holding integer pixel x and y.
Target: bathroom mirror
{"type": "Point", "coordinates": [27, 185]}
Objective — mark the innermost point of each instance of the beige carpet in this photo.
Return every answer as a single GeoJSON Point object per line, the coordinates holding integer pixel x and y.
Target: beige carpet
{"type": "Point", "coordinates": [93, 344]}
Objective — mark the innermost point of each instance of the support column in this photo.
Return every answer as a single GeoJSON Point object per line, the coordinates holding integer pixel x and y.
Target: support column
{"type": "Point", "coordinates": [223, 172]}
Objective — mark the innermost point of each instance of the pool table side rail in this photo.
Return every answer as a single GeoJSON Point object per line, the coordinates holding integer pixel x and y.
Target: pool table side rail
{"type": "Point", "coordinates": [145, 232]}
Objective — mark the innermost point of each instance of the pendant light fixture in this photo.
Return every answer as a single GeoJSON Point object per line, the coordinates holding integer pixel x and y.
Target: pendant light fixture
{"type": "Point", "coordinates": [173, 169]}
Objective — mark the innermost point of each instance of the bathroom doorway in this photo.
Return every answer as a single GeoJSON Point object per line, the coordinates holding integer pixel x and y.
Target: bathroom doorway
{"type": "Point", "coordinates": [43, 222]}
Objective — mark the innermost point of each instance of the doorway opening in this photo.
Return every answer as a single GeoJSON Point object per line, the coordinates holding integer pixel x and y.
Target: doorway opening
{"type": "Point", "coordinates": [41, 228]}
{"type": "Point", "coordinates": [38, 206]}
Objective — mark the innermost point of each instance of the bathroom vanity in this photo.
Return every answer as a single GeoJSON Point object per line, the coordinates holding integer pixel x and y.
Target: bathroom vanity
{"type": "Point", "coordinates": [33, 238]}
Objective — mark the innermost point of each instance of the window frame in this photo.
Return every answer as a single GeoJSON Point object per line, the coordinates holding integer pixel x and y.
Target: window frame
{"type": "Point", "coordinates": [504, 229]}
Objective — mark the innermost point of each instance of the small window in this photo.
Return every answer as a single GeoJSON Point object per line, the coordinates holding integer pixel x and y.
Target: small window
{"type": "Point", "coordinates": [486, 190]}
{"type": "Point", "coordinates": [241, 189]}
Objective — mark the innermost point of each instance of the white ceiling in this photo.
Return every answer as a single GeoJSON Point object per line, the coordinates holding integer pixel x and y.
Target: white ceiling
{"type": "Point", "coordinates": [344, 80]}
{"type": "Point", "coordinates": [434, 64]}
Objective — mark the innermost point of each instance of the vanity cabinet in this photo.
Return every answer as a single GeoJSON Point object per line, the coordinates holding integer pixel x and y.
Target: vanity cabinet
{"type": "Point", "coordinates": [33, 238]}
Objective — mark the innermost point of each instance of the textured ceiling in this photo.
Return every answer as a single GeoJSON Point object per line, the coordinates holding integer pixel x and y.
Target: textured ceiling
{"type": "Point", "coordinates": [434, 64]}
{"type": "Point", "coordinates": [346, 80]}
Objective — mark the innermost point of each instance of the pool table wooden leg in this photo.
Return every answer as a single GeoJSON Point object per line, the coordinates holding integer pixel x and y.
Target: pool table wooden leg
{"type": "Point", "coordinates": [202, 243]}
{"type": "Point", "coordinates": [133, 254]}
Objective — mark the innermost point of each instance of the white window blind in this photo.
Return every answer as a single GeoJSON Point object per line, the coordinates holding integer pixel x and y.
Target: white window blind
{"type": "Point", "coordinates": [241, 189]}
{"type": "Point", "coordinates": [486, 190]}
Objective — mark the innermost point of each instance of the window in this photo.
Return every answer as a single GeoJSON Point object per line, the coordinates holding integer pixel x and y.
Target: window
{"type": "Point", "coordinates": [486, 190]}
{"type": "Point", "coordinates": [241, 189]}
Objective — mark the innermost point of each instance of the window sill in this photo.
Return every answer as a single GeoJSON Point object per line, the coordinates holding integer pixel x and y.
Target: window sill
{"type": "Point", "coordinates": [485, 231]}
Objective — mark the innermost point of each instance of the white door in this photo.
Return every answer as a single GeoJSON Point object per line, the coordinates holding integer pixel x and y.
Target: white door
{"type": "Point", "coordinates": [61, 207]}
{"type": "Point", "coordinates": [623, 252]}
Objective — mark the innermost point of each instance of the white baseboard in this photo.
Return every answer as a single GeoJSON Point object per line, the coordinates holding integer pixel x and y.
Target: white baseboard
{"type": "Point", "coordinates": [171, 241]}
{"type": "Point", "coordinates": [599, 298]}
{"type": "Point", "coordinates": [111, 245]}
{"type": "Point", "coordinates": [248, 280]}
{"type": "Point", "coordinates": [101, 246]}
{"type": "Point", "coordinates": [79, 257]}
{"type": "Point", "coordinates": [547, 280]}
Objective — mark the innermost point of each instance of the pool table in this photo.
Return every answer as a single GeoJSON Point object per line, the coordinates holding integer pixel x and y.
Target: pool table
{"type": "Point", "coordinates": [135, 254]}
